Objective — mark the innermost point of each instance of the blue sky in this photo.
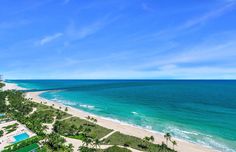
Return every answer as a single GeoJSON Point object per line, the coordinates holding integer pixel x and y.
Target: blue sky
{"type": "Point", "coordinates": [99, 39]}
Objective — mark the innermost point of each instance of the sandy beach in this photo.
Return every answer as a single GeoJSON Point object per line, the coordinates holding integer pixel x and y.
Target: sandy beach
{"type": "Point", "coordinates": [182, 146]}
{"type": "Point", "coordinates": [11, 86]}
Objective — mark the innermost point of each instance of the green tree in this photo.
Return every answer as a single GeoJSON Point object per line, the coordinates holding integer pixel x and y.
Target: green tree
{"type": "Point", "coordinates": [86, 149]}
{"type": "Point", "coordinates": [70, 147]}
{"type": "Point", "coordinates": [87, 141]}
{"type": "Point", "coordinates": [95, 120]}
{"type": "Point", "coordinates": [174, 143]}
{"type": "Point", "coordinates": [55, 141]}
{"type": "Point", "coordinates": [151, 138]}
{"type": "Point", "coordinates": [97, 143]}
{"type": "Point", "coordinates": [2, 85]}
{"type": "Point", "coordinates": [1, 133]}
{"type": "Point", "coordinates": [163, 147]}
{"type": "Point", "coordinates": [146, 138]}
{"type": "Point", "coordinates": [167, 136]}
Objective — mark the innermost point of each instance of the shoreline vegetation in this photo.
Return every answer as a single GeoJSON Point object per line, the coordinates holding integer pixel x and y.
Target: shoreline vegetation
{"type": "Point", "coordinates": [63, 128]}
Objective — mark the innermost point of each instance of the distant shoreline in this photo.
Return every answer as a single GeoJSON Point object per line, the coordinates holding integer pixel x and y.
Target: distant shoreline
{"type": "Point", "coordinates": [183, 146]}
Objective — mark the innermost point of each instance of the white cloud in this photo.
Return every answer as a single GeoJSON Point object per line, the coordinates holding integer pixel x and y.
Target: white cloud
{"type": "Point", "coordinates": [172, 32]}
{"type": "Point", "coordinates": [49, 38]}
{"type": "Point", "coordinates": [169, 73]}
{"type": "Point", "coordinates": [74, 32]}
{"type": "Point", "coordinates": [209, 15]}
{"type": "Point", "coordinates": [202, 72]}
{"type": "Point", "coordinates": [66, 1]}
{"type": "Point", "coordinates": [212, 58]}
{"type": "Point", "coordinates": [147, 8]}
{"type": "Point", "coordinates": [13, 24]}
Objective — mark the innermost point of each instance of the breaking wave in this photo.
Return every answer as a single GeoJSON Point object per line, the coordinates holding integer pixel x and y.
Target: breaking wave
{"type": "Point", "coordinates": [197, 137]}
{"type": "Point", "coordinates": [87, 106]}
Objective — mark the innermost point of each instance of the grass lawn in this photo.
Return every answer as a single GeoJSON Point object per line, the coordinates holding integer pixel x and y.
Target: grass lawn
{"type": "Point", "coordinates": [50, 112]}
{"type": "Point", "coordinates": [22, 144]}
{"type": "Point", "coordinates": [80, 137]}
{"type": "Point", "coordinates": [115, 149]}
{"type": "Point", "coordinates": [11, 128]}
{"type": "Point", "coordinates": [96, 130]}
{"type": "Point", "coordinates": [130, 141]}
{"type": "Point", "coordinates": [28, 148]}
{"type": "Point", "coordinates": [45, 148]}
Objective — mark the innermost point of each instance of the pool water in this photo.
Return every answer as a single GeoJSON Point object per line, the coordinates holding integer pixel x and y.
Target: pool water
{"type": "Point", "coordinates": [21, 137]}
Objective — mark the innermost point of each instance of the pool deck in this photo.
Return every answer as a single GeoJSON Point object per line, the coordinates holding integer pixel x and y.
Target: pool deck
{"type": "Point", "coordinates": [8, 139]}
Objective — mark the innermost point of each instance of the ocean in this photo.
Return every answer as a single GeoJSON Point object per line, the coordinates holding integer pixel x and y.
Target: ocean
{"type": "Point", "coordinates": [200, 111]}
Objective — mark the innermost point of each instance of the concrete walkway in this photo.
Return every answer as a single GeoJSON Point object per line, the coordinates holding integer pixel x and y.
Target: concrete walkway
{"type": "Point", "coordinates": [106, 136]}
{"type": "Point", "coordinates": [66, 118]}
{"type": "Point", "coordinates": [34, 109]}
{"type": "Point", "coordinates": [77, 143]}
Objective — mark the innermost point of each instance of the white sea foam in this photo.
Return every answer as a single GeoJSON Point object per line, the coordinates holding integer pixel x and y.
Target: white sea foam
{"type": "Point", "coordinates": [177, 132]}
{"type": "Point", "coordinates": [203, 139]}
{"type": "Point", "coordinates": [66, 102]}
{"type": "Point", "coordinates": [54, 99]}
{"type": "Point", "coordinates": [148, 127]}
{"type": "Point", "coordinates": [87, 106]}
{"type": "Point", "coordinates": [220, 146]}
{"type": "Point", "coordinates": [212, 143]}
{"type": "Point", "coordinates": [135, 113]}
{"type": "Point", "coordinates": [191, 133]}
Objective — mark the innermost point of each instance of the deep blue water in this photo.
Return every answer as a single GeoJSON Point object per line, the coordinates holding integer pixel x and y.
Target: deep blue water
{"type": "Point", "coordinates": [200, 111]}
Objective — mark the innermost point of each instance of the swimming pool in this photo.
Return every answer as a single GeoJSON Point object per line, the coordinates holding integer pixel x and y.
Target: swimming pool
{"type": "Point", "coordinates": [21, 137]}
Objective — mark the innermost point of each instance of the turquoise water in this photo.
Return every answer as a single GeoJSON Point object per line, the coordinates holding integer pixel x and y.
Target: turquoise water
{"type": "Point", "coordinates": [198, 111]}
{"type": "Point", "coordinates": [21, 137]}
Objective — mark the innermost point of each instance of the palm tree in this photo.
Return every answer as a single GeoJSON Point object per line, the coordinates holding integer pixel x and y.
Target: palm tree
{"type": "Point", "coordinates": [146, 138]}
{"type": "Point", "coordinates": [87, 141]}
{"type": "Point", "coordinates": [151, 139]}
{"type": "Point", "coordinates": [80, 128]}
{"type": "Point", "coordinates": [97, 143]}
{"type": "Point", "coordinates": [174, 143]}
{"type": "Point", "coordinates": [71, 147]}
{"type": "Point", "coordinates": [45, 127]}
{"type": "Point", "coordinates": [95, 120]}
{"type": "Point", "coordinates": [163, 147]}
{"type": "Point", "coordinates": [167, 136]}
{"type": "Point", "coordinates": [55, 141]}
{"type": "Point", "coordinates": [87, 130]}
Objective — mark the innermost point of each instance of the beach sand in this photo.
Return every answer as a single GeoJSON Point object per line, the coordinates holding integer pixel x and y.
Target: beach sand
{"type": "Point", "coordinates": [11, 86]}
{"type": "Point", "coordinates": [182, 146]}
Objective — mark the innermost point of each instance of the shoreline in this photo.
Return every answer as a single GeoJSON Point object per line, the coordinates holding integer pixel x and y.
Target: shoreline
{"type": "Point", "coordinates": [123, 127]}
{"type": "Point", "coordinates": [12, 86]}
